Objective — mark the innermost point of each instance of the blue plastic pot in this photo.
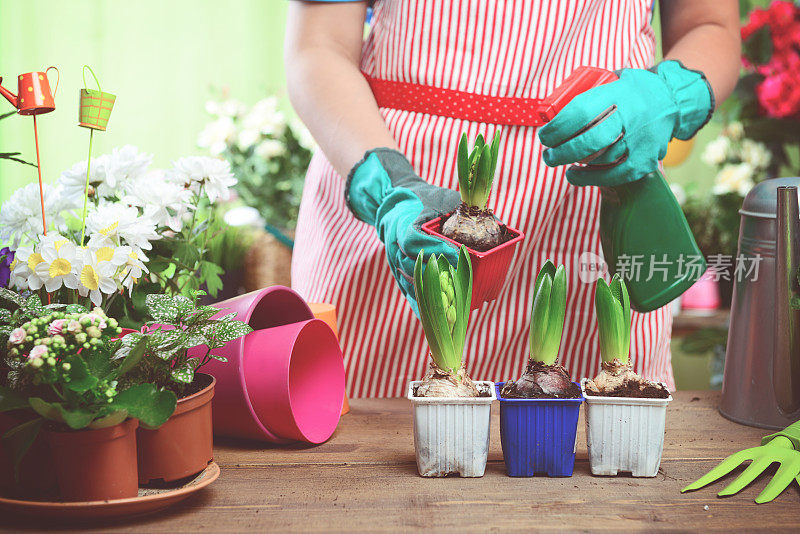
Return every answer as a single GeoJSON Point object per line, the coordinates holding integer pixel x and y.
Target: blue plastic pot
{"type": "Point", "coordinates": [538, 435]}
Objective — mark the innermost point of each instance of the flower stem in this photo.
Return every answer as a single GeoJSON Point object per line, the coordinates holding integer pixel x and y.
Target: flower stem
{"type": "Point", "coordinates": [86, 187]}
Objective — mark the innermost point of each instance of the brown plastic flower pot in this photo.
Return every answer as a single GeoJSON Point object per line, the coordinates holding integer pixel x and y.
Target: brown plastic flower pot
{"type": "Point", "coordinates": [36, 472]}
{"type": "Point", "coordinates": [489, 268]}
{"type": "Point", "coordinates": [183, 446]}
{"type": "Point", "coordinates": [96, 465]}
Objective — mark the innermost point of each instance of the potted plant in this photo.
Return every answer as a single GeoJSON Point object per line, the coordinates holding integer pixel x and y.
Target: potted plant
{"type": "Point", "coordinates": [625, 414]}
{"type": "Point", "coordinates": [65, 370]}
{"type": "Point", "coordinates": [539, 412]}
{"type": "Point", "coordinates": [490, 243]}
{"type": "Point", "coordinates": [451, 412]}
{"type": "Point", "coordinates": [183, 446]}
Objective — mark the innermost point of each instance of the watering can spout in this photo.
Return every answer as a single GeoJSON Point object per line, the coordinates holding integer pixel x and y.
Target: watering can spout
{"type": "Point", "coordinates": [786, 364]}
{"type": "Point", "coordinates": [11, 97]}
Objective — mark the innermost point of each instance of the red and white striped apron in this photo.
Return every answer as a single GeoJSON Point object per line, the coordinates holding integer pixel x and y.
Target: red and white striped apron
{"type": "Point", "coordinates": [503, 48]}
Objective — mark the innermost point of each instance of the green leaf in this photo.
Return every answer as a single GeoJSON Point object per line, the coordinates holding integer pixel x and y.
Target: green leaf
{"type": "Point", "coordinates": [445, 356]}
{"type": "Point", "coordinates": [150, 406]}
{"type": "Point", "coordinates": [463, 165]}
{"type": "Point", "coordinates": [168, 308]}
{"type": "Point", "coordinates": [209, 275]}
{"type": "Point", "coordinates": [5, 315]}
{"type": "Point", "coordinates": [80, 377]}
{"type": "Point", "coordinates": [19, 440]}
{"type": "Point", "coordinates": [494, 151]}
{"type": "Point", "coordinates": [133, 357]}
{"type": "Point", "coordinates": [462, 285]}
{"type": "Point", "coordinates": [11, 400]}
{"type": "Point", "coordinates": [183, 373]}
{"type": "Point", "coordinates": [219, 333]}
{"type": "Point", "coordinates": [112, 419]}
{"type": "Point", "coordinates": [557, 311]}
{"type": "Point", "coordinates": [33, 306]}
{"type": "Point", "coordinates": [609, 320]}
{"type": "Point", "coordinates": [540, 317]}
{"type": "Point", "coordinates": [55, 411]}
{"type": "Point", "coordinates": [11, 296]}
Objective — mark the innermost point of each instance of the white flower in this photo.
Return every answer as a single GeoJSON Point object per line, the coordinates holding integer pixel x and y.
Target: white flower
{"type": "Point", "coordinates": [125, 163]}
{"type": "Point", "coordinates": [244, 216]}
{"type": "Point", "coordinates": [21, 215]}
{"type": "Point", "coordinates": [106, 250]}
{"type": "Point", "coordinates": [216, 135]}
{"type": "Point", "coordinates": [302, 134]}
{"type": "Point", "coordinates": [39, 351]}
{"type": "Point", "coordinates": [96, 278]}
{"type": "Point", "coordinates": [16, 336]}
{"type": "Point", "coordinates": [230, 108]}
{"type": "Point", "coordinates": [734, 130]}
{"type": "Point", "coordinates": [247, 138]}
{"type": "Point", "coordinates": [734, 178]}
{"type": "Point", "coordinates": [133, 269]}
{"type": "Point", "coordinates": [679, 192]}
{"type": "Point", "coordinates": [121, 223]}
{"type": "Point", "coordinates": [756, 154]}
{"type": "Point", "coordinates": [265, 118]}
{"type": "Point", "coordinates": [59, 265]}
{"type": "Point", "coordinates": [717, 151]}
{"type": "Point", "coordinates": [270, 148]}
{"type": "Point", "coordinates": [73, 180]}
{"type": "Point", "coordinates": [163, 200]}
{"type": "Point", "coordinates": [212, 175]}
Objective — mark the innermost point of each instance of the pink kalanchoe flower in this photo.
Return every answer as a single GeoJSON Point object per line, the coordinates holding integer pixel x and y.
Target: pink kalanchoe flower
{"type": "Point", "coordinates": [56, 327]}
{"type": "Point", "coordinates": [39, 351]}
{"type": "Point", "coordinates": [16, 336]}
{"type": "Point", "coordinates": [74, 327]}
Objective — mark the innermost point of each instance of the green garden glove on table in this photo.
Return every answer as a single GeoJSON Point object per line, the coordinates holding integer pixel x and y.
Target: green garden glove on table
{"type": "Point", "coordinates": [383, 190]}
{"type": "Point", "coordinates": [621, 129]}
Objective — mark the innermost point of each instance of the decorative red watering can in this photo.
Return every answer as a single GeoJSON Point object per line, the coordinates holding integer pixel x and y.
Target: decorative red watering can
{"type": "Point", "coordinates": [33, 93]}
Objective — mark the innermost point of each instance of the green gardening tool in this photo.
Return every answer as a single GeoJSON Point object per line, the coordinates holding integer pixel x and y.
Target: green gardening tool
{"type": "Point", "coordinates": [782, 447]}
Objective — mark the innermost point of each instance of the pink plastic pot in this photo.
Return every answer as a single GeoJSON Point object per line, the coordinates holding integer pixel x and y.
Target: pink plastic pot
{"type": "Point", "coordinates": [285, 380]}
{"type": "Point", "coordinates": [703, 295]}
{"type": "Point", "coordinates": [489, 268]}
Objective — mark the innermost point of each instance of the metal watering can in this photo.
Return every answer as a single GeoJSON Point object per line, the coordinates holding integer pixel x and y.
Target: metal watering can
{"type": "Point", "coordinates": [33, 93]}
{"type": "Point", "coordinates": [761, 386]}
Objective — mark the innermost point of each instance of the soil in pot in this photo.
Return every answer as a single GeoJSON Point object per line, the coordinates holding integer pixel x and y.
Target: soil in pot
{"type": "Point", "coordinates": [475, 228]}
{"type": "Point", "coordinates": [95, 465]}
{"type": "Point", "coordinates": [618, 380]}
{"type": "Point", "coordinates": [441, 383]}
{"type": "Point", "coordinates": [183, 446]}
{"type": "Point", "coordinates": [542, 381]}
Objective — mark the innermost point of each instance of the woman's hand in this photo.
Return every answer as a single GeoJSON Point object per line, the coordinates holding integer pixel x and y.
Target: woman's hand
{"type": "Point", "coordinates": [384, 191]}
{"type": "Point", "coordinates": [642, 111]}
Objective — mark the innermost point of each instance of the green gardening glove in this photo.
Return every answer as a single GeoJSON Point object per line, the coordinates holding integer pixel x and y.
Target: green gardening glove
{"type": "Point", "coordinates": [620, 130]}
{"type": "Point", "coordinates": [383, 190]}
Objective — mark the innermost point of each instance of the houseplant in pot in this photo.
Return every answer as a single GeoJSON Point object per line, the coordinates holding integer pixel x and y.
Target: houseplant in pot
{"type": "Point", "coordinates": [183, 445]}
{"type": "Point", "coordinates": [489, 242]}
{"type": "Point", "coordinates": [65, 370]}
{"type": "Point", "coordinates": [539, 411]}
{"type": "Point", "coordinates": [625, 414]}
{"type": "Point", "coordinates": [451, 412]}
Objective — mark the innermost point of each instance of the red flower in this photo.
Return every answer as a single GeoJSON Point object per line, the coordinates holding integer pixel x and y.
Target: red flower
{"type": "Point", "coordinates": [779, 95]}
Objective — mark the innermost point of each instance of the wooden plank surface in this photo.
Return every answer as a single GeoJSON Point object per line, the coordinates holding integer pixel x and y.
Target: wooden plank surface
{"type": "Point", "coordinates": [365, 478]}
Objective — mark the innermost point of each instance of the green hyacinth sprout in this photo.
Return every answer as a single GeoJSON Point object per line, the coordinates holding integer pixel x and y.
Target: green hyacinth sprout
{"type": "Point", "coordinates": [476, 169]}
{"type": "Point", "coordinates": [443, 295]}
{"type": "Point", "coordinates": [548, 312]}
{"type": "Point", "coordinates": [613, 309]}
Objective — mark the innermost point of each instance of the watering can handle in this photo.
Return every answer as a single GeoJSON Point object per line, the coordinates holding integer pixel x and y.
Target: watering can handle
{"type": "Point", "coordinates": [93, 75]}
{"type": "Point", "coordinates": [58, 77]}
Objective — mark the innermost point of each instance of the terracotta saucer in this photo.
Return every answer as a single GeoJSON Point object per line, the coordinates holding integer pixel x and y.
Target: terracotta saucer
{"type": "Point", "coordinates": [149, 500]}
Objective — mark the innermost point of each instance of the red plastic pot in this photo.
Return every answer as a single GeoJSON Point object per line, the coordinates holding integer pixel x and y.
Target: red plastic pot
{"type": "Point", "coordinates": [284, 381]}
{"type": "Point", "coordinates": [183, 446]}
{"type": "Point", "coordinates": [96, 465]}
{"type": "Point", "coordinates": [489, 268]}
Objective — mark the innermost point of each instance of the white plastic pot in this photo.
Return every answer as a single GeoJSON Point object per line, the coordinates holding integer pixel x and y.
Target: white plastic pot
{"type": "Point", "coordinates": [451, 434]}
{"type": "Point", "coordinates": [625, 434]}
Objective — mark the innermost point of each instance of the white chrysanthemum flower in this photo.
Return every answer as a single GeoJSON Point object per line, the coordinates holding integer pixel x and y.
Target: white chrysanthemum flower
{"type": "Point", "coordinates": [213, 175]}
{"type": "Point", "coordinates": [133, 269]}
{"type": "Point", "coordinates": [265, 118]}
{"type": "Point", "coordinates": [163, 200]}
{"type": "Point", "coordinates": [121, 223]}
{"type": "Point", "coordinates": [247, 138]}
{"type": "Point", "coordinates": [96, 278]}
{"type": "Point", "coordinates": [21, 215]}
{"type": "Point", "coordinates": [59, 266]}
{"type": "Point", "coordinates": [734, 178]}
{"type": "Point", "coordinates": [230, 108]}
{"type": "Point", "coordinates": [270, 148]}
{"type": "Point", "coordinates": [73, 180]}
{"type": "Point", "coordinates": [717, 151]}
{"type": "Point", "coordinates": [126, 163]}
{"type": "Point", "coordinates": [756, 154]}
{"type": "Point", "coordinates": [216, 135]}
{"type": "Point", "coordinates": [734, 130]}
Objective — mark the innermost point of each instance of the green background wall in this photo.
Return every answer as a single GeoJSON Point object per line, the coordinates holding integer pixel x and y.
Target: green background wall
{"type": "Point", "coordinates": [163, 60]}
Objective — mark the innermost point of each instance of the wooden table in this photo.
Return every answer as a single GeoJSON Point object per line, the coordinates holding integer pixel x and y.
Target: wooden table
{"type": "Point", "coordinates": [365, 477]}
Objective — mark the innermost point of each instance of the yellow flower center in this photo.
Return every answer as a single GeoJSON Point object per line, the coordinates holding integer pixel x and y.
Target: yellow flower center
{"type": "Point", "coordinates": [89, 278]}
{"type": "Point", "coordinates": [60, 267]}
{"type": "Point", "coordinates": [105, 254]}
{"type": "Point", "coordinates": [109, 229]}
{"type": "Point", "coordinates": [34, 260]}
{"type": "Point", "coordinates": [13, 264]}
{"type": "Point", "coordinates": [59, 244]}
